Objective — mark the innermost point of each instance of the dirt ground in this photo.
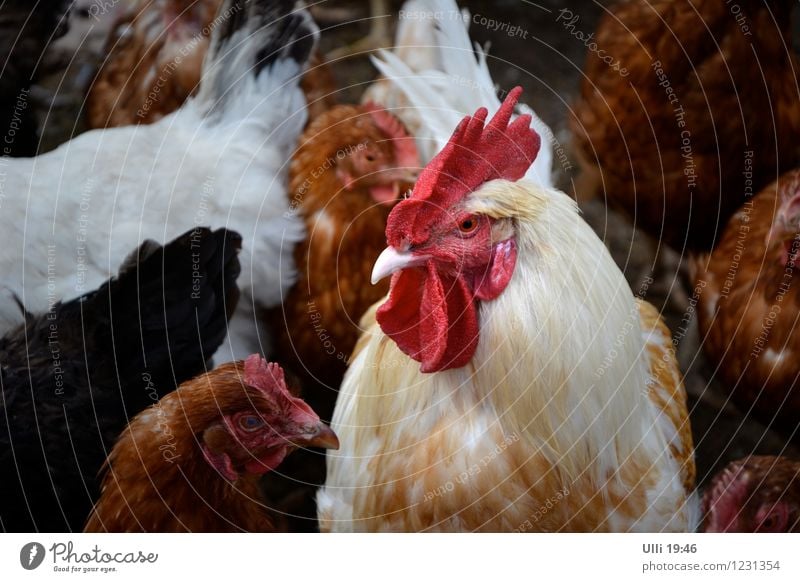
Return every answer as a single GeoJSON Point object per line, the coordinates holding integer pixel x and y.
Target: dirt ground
{"type": "Point", "coordinates": [548, 65]}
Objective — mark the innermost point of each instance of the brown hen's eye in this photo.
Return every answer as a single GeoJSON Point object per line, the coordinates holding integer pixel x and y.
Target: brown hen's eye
{"type": "Point", "coordinates": [250, 422]}
{"type": "Point", "coordinates": [468, 225]}
{"type": "Point", "coordinates": [776, 520]}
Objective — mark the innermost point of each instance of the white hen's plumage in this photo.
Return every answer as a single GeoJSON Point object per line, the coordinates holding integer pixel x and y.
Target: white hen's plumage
{"type": "Point", "coordinates": [72, 215]}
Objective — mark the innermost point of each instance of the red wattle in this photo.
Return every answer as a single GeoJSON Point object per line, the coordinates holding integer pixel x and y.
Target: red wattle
{"type": "Point", "coordinates": [491, 283]}
{"type": "Point", "coordinates": [433, 319]}
{"type": "Point", "coordinates": [268, 462]}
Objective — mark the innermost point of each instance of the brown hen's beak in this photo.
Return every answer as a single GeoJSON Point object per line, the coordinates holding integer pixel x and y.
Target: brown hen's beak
{"type": "Point", "coordinates": [406, 175]}
{"type": "Point", "coordinates": [781, 231]}
{"type": "Point", "coordinates": [321, 436]}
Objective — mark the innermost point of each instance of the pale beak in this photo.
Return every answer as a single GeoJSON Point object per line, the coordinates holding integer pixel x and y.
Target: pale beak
{"type": "Point", "coordinates": [406, 175]}
{"type": "Point", "coordinates": [322, 437]}
{"type": "Point", "coordinates": [391, 261]}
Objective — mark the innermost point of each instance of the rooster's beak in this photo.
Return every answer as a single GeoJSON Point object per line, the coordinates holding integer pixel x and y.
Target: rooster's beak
{"type": "Point", "coordinates": [322, 437]}
{"type": "Point", "coordinates": [391, 261]}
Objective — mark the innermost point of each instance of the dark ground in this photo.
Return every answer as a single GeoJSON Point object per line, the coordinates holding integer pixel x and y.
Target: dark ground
{"type": "Point", "coordinates": [548, 65]}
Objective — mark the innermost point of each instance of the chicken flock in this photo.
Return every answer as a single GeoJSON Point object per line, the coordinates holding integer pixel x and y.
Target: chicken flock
{"type": "Point", "coordinates": [239, 302]}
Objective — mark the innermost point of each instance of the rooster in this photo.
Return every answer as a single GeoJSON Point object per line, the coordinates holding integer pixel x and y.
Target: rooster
{"type": "Point", "coordinates": [191, 462]}
{"type": "Point", "coordinates": [218, 160]}
{"type": "Point", "coordinates": [435, 76]}
{"type": "Point", "coordinates": [511, 380]}
{"type": "Point", "coordinates": [756, 494]}
{"type": "Point", "coordinates": [74, 375]}
{"type": "Point", "coordinates": [684, 107]}
{"type": "Point", "coordinates": [749, 303]}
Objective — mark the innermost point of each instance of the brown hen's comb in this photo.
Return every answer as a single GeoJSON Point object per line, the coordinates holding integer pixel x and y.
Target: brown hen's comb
{"type": "Point", "coordinates": [475, 154]}
{"type": "Point", "coordinates": [265, 376]}
{"type": "Point", "coordinates": [405, 147]}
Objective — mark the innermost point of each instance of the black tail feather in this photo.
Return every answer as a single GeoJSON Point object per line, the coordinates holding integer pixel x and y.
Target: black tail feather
{"type": "Point", "coordinates": [179, 297]}
{"type": "Point", "coordinates": [248, 37]}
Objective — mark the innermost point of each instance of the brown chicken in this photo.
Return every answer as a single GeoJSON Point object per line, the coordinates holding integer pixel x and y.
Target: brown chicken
{"type": "Point", "coordinates": [754, 495]}
{"type": "Point", "coordinates": [749, 305]}
{"type": "Point", "coordinates": [351, 166]}
{"type": "Point", "coordinates": [319, 86]}
{"type": "Point", "coordinates": [192, 461]}
{"type": "Point", "coordinates": [685, 108]}
{"type": "Point", "coordinates": [155, 57]}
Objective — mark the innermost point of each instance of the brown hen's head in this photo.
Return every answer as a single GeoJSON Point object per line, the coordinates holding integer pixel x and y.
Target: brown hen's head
{"type": "Point", "coordinates": [757, 494]}
{"type": "Point", "coordinates": [784, 235]}
{"type": "Point", "coordinates": [374, 151]}
{"type": "Point", "coordinates": [249, 430]}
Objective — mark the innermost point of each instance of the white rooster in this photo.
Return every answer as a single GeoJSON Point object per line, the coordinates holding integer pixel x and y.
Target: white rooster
{"type": "Point", "coordinates": [511, 381]}
{"type": "Point", "coordinates": [71, 216]}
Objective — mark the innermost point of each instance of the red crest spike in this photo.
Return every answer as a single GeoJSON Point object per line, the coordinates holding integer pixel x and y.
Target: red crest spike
{"type": "Point", "coordinates": [266, 376]}
{"type": "Point", "coordinates": [475, 154]}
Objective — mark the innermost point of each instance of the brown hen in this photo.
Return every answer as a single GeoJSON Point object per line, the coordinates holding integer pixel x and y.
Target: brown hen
{"type": "Point", "coordinates": [749, 305]}
{"type": "Point", "coordinates": [192, 461]}
{"type": "Point", "coordinates": [351, 166]}
{"type": "Point", "coordinates": [757, 494]}
{"type": "Point", "coordinates": [155, 56]}
{"type": "Point", "coordinates": [684, 108]}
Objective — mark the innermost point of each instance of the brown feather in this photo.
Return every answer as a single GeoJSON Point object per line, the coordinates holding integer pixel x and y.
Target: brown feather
{"type": "Point", "coordinates": [154, 62]}
{"type": "Point", "coordinates": [733, 101]}
{"type": "Point", "coordinates": [318, 322]}
{"type": "Point", "coordinates": [157, 479]}
{"type": "Point", "coordinates": [748, 312]}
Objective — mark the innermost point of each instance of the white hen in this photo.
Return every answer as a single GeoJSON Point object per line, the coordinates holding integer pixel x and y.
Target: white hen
{"type": "Point", "coordinates": [435, 76]}
{"type": "Point", "coordinates": [71, 216]}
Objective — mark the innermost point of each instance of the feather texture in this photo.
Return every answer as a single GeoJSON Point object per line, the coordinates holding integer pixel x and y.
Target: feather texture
{"type": "Point", "coordinates": [73, 375]}
{"type": "Point", "coordinates": [432, 93]}
{"type": "Point", "coordinates": [565, 419]}
{"type": "Point", "coordinates": [220, 160]}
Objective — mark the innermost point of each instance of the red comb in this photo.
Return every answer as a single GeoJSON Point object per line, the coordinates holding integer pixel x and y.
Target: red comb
{"type": "Point", "coordinates": [474, 155]}
{"type": "Point", "coordinates": [267, 377]}
{"type": "Point", "coordinates": [405, 147]}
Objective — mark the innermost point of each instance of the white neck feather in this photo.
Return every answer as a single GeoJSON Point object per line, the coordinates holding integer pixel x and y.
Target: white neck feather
{"type": "Point", "coordinates": [561, 361]}
{"type": "Point", "coordinates": [562, 347]}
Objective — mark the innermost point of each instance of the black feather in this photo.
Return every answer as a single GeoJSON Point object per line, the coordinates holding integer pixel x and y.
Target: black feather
{"type": "Point", "coordinates": [247, 38]}
{"type": "Point", "coordinates": [27, 29]}
{"type": "Point", "coordinates": [73, 377]}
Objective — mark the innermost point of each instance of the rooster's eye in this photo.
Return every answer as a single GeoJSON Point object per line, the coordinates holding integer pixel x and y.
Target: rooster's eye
{"type": "Point", "coordinates": [250, 422]}
{"type": "Point", "coordinates": [468, 225]}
